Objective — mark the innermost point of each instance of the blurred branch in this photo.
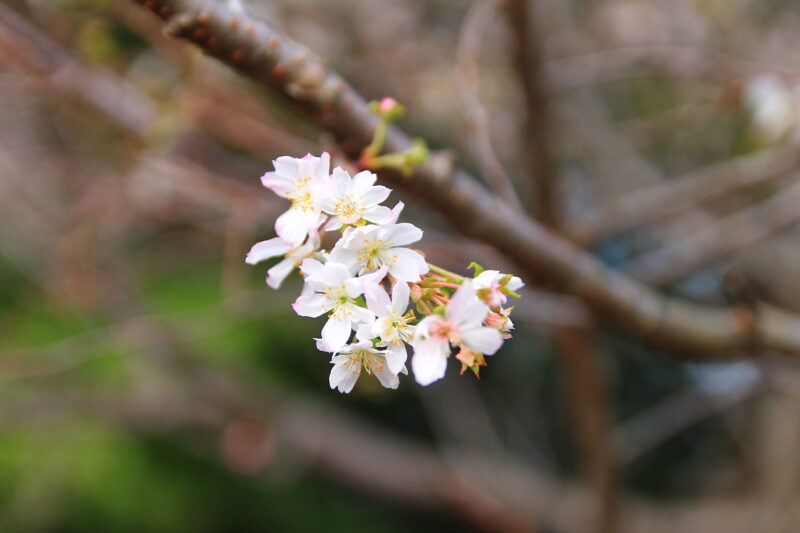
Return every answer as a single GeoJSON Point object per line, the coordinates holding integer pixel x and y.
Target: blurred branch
{"type": "Point", "coordinates": [678, 195]}
{"type": "Point", "coordinates": [257, 50]}
{"type": "Point", "coordinates": [23, 46]}
{"type": "Point", "coordinates": [475, 24]}
{"type": "Point", "coordinates": [589, 408]}
{"type": "Point", "coordinates": [535, 133]}
{"type": "Point", "coordinates": [689, 62]}
{"type": "Point", "coordinates": [720, 239]}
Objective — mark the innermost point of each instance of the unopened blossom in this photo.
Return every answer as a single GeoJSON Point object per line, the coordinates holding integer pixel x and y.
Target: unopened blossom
{"type": "Point", "coordinates": [490, 285]}
{"type": "Point", "coordinates": [299, 180]}
{"type": "Point", "coordinates": [332, 290]}
{"type": "Point", "coordinates": [355, 358]}
{"type": "Point", "coordinates": [392, 325]}
{"type": "Point", "coordinates": [462, 323]}
{"type": "Point", "coordinates": [367, 248]}
{"type": "Point", "coordinates": [351, 200]}
{"type": "Point", "coordinates": [293, 256]}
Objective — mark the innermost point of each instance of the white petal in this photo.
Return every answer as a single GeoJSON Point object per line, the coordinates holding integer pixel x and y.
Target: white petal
{"type": "Point", "coordinates": [294, 225]}
{"type": "Point", "coordinates": [379, 215]}
{"type": "Point", "coordinates": [402, 234]}
{"type": "Point", "coordinates": [400, 294]}
{"type": "Point", "coordinates": [386, 377]}
{"type": "Point", "coordinates": [341, 255]}
{"type": "Point", "coordinates": [429, 362]}
{"type": "Point", "coordinates": [362, 183]}
{"type": "Point", "coordinates": [375, 195]}
{"type": "Point", "coordinates": [336, 333]}
{"type": "Point", "coordinates": [408, 266]}
{"type": "Point", "coordinates": [332, 274]}
{"type": "Point", "coordinates": [323, 165]}
{"type": "Point", "coordinates": [278, 273]}
{"type": "Point", "coordinates": [343, 377]}
{"type": "Point", "coordinates": [377, 300]}
{"type": "Point", "coordinates": [364, 331]}
{"type": "Point", "coordinates": [288, 166]}
{"type": "Point", "coordinates": [465, 308]}
{"type": "Point", "coordinates": [482, 339]}
{"type": "Point", "coordinates": [310, 305]}
{"type": "Point", "coordinates": [514, 283]}
{"type": "Point", "coordinates": [396, 356]}
{"type": "Point", "coordinates": [266, 249]}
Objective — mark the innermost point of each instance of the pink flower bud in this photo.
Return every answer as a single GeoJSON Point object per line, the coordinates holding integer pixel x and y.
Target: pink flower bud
{"type": "Point", "coordinates": [387, 105]}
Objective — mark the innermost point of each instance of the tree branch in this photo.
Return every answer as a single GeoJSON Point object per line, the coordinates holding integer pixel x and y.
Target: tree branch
{"type": "Point", "coordinates": [535, 130]}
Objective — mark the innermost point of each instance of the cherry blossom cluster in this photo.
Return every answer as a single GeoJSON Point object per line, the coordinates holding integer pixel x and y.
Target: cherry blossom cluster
{"type": "Point", "coordinates": [379, 295]}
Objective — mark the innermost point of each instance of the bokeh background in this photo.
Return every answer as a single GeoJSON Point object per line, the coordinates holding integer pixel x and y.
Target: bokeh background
{"type": "Point", "coordinates": [150, 382]}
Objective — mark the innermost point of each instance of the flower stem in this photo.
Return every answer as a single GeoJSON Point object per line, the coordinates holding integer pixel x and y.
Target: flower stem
{"type": "Point", "coordinates": [445, 273]}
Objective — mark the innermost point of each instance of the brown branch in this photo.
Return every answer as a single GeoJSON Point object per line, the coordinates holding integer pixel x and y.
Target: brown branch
{"type": "Point", "coordinates": [536, 123]}
{"type": "Point", "coordinates": [589, 412]}
{"type": "Point", "coordinates": [722, 238]}
{"type": "Point", "coordinates": [678, 195]}
{"type": "Point", "coordinates": [260, 52]}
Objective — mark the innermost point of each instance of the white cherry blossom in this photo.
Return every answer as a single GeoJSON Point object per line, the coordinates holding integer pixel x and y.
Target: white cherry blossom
{"type": "Point", "coordinates": [392, 324]}
{"type": "Point", "coordinates": [352, 359]}
{"type": "Point", "coordinates": [332, 289]}
{"type": "Point", "coordinates": [293, 256]}
{"type": "Point", "coordinates": [367, 248]}
{"type": "Point", "coordinates": [462, 323]}
{"type": "Point", "coordinates": [299, 180]}
{"type": "Point", "coordinates": [489, 287]}
{"type": "Point", "coordinates": [351, 200]}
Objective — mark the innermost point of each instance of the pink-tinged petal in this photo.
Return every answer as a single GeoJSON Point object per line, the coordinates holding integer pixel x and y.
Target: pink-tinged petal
{"type": "Point", "coordinates": [266, 249]}
{"type": "Point", "coordinates": [408, 265]}
{"type": "Point", "coordinates": [396, 356]}
{"type": "Point", "coordinates": [377, 300]}
{"type": "Point", "coordinates": [465, 308]}
{"type": "Point", "coordinates": [309, 305]}
{"type": "Point", "coordinates": [362, 182]}
{"type": "Point", "coordinates": [376, 195]}
{"type": "Point", "coordinates": [429, 362]}
{"type": "Point", "coordinates": [279, 272]}
{"type": "Point", "coordinates": [400, 294]}
{"type": "Point", "coordinates": [280, 184]}
{"type": "Point", "coordinates": [482, 339]}
{"type": "Point", "coordinates": [402, 234]}
{"type": "Point", "coordinates": [396, 210]}
{"type": "Point", "coordinates": [379, 214]}
{"type": "Point", "coordinates": [322, 346]}
{"type": "Point", "coordinates": [336, 333]}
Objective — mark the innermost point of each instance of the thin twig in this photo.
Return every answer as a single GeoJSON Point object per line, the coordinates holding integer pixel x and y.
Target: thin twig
{"type": "Point", "coordinates": [471, 37]}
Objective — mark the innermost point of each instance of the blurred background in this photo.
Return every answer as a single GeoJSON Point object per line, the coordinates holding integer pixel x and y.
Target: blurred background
{"type": "Point", "coordinates": [150, 382]}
